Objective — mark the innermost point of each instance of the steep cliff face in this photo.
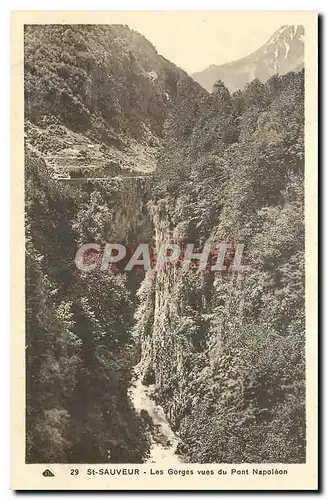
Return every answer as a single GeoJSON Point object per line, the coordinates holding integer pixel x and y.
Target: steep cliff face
{"type": "Point", "coordinates": [282, 53]}
{"type": "Point", "coordinates": [226, 351]}
{"type": "Point", "coordinates": [79, 352]}
{"type": "Point", "coordinates": [87, 85]}
{"type": "Point", "coordinates": [98, 84]}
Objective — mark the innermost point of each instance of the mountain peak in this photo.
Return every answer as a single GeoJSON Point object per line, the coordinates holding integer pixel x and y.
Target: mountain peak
{"type": "Point", "coordinates": [283, 52]}
{"type": "Point", "coordinates": [287, 31]}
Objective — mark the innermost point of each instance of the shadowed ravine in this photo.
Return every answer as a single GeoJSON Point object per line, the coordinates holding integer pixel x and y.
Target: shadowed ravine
{"type": "Point", "coordinates": [226, 348]}
{"type": "Point", "coordinates": [163, 440]}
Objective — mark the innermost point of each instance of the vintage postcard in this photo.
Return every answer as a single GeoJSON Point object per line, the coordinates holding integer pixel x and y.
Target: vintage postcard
{"type": "Point", "coordinates": [164, 250]}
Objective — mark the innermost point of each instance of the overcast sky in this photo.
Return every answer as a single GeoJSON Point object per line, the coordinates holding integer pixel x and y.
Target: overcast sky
{"type": "Point", "coordinates": [195, 40]}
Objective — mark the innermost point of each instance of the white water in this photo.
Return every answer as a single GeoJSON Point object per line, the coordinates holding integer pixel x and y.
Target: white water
{"type": "Point", "coordinates": [163, 440]}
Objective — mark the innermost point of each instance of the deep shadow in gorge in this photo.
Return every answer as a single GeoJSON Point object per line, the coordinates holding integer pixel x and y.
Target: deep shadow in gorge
{"type": "Point", "coordinates": [220, 360]}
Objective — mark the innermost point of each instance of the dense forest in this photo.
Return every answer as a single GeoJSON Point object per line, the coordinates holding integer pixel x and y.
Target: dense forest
{"type": "Point", "coordinates": [78, 331]}
{"type": "Point", "coordinates": [225, 351]}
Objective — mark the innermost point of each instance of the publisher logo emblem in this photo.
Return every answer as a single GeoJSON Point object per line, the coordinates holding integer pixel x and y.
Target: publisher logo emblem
{"type": "Point", "coordinates": [48, 473]}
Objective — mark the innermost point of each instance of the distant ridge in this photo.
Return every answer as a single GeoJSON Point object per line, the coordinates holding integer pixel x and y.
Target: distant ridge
{"type": "Point", "coordinates": [283, 52]}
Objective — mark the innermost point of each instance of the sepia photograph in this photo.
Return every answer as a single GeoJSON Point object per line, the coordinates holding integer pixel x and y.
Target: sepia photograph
{"type": "Point", "coordinates": [163, 201]}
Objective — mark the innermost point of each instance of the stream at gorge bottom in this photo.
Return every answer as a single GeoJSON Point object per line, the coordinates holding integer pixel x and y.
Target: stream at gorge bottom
{"type": "Point", "coordinates": [163, 440]}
